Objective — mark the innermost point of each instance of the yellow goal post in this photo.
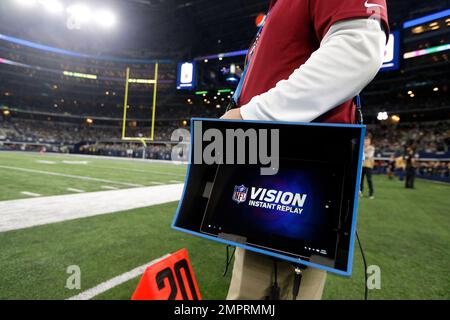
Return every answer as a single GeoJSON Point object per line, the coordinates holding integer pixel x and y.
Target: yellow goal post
{"type": "Point", "coordinates": [154, 82]}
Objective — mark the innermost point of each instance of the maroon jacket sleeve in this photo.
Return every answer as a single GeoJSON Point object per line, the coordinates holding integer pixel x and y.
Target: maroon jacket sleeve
{"type": "Point", "coordinates": [324, 13]}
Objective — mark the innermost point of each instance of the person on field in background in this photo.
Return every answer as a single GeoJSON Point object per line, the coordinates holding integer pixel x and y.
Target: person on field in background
{"type": "Point", "coordinates": [368, 164]}
{"type": "Point", "coordinates": [391, 167]}
{"type": "Point", "coordinates": [411, 166]}
{"type": "Point", "coordinates": [400, 167]}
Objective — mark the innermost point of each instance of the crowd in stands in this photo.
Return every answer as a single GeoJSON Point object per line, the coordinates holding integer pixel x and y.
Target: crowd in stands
{"type": "Point", "coordinates": [53, 132]}
{"type": "Point", "coordinates": [434, 168]}
{"type": "Point", "coordinates": [49, 132]}
{"type": "Point", "coordinates": [101, 68]}
{"type": "Point", "coordinates": [129, 150]}
{"type": "Point", "coordinates": [429, 137]}
{"type": "Point", "coordinates": [372, 105]}
{"type": "Point", "coordinates": [439, 169]}
{"type": "Point", "coordinates": [53, 136]}
{"type": "Point", "coordinates": [98, 104]}
{"type": "Point", "coordinates": [32, 135]}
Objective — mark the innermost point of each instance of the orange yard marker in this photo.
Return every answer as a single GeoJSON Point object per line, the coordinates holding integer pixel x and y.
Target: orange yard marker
{"type": "Point", "coordinates": [171, 278]}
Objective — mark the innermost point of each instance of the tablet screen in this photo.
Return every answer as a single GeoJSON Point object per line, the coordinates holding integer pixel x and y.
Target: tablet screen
{"type": "Point", "coordinates": [295, 212]}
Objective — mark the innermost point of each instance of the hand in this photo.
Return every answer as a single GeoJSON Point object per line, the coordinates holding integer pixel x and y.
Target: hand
{"type": "Point", "coordinates": [233, 114]}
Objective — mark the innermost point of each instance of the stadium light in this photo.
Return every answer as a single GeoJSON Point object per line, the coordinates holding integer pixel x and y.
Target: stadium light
{"type": "Point", "coordinates": [52, 6]}
{"type": "Point", "coordinates": [105, 18]}
{"type": "Point", "coordinates": [427, 51]}
{"type": "Point", "coordinates": [79, 12]}
{"type": "Point", "coordinates": [382, 116]}
{"type": "Point", "coordinates": [395, 118]}
{"type": "Point", "coordinates": [6, 112]}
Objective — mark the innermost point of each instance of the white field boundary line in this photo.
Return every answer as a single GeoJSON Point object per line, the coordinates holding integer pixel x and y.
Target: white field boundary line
{"type": "Point", "coordinates": [46, 161]}
{"type": "Point", "coordinates": [141, 171]}
{"type": "Point", "coordinates": [126, 159]}
{"type": "Point", "coordinates": [30, 194]}
{"type": "Point", "coordinates": [31, 212]}
{"type": "Point", "coordinates": [169, 162]}
{"type": "Point", "coordinates": [71, 176]}
{"type": "Point", "coordinates": [114, 282]}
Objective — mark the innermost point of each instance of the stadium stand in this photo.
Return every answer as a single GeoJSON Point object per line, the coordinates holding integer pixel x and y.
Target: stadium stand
{"type": "Point", "coordinates": [428, 137]}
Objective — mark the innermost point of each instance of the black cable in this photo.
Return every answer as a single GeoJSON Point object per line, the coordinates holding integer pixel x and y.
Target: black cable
{"type": "Point", "coordinates": [297, 282]}
{"type": "Point", "coordinates": [275, 289]}
{"type": "Point", "coordinates": [360, 120]}
{"type": "Point", "coordinates": [275, 271]}
{"type": "Point", "coordinates": [228, 260]}
{"type": "Point", "coordinates": [366, 290]}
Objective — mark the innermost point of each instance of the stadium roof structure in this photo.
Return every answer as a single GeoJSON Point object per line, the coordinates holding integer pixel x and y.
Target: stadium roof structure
{"type": "Point", "coordinates": [182, 28]}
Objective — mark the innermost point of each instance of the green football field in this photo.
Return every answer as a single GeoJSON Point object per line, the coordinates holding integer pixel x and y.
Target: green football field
{"type": "Point", "coordinates": [404, 232]}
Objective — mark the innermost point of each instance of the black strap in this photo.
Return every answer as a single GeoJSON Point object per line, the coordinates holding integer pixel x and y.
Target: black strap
{"type": "Point", "coordinates": [358, 112]}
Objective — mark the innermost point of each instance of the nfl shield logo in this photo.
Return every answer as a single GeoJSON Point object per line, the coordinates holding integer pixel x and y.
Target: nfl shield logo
{"type": "Point", "coordinates": [240, 193]}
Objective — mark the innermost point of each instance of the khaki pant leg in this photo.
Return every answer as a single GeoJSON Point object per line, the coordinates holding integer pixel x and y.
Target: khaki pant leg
{"type": "Point", "coordinates": [253, 276]}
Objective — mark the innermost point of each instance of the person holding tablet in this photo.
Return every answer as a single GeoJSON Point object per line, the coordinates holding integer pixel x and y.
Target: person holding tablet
{"type": "Point", "coordinates": [307, 63]}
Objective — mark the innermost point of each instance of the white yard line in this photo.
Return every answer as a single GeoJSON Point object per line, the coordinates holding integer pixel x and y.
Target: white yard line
{"type": "Point", "coordinates": [141, 171]}
{"type": "Point", "coordinates": [30, 194]}
{"type": "Point", "coordinates": [46, 162]}
{"type": "Point", "coordinates": [26, 213]}
{"type": "Point", "coordinates": [175, 181]}
{"type": "Point", "coordinates": [75, 190]}
{"type": "Point", "coordinates": [71, 176]}
{"type": "Point", "coordinates": [74, 162]}
{"type": "Point", "coordinates": [114, 282]}
{"type": "Point", "coordinates": [109, 188]}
